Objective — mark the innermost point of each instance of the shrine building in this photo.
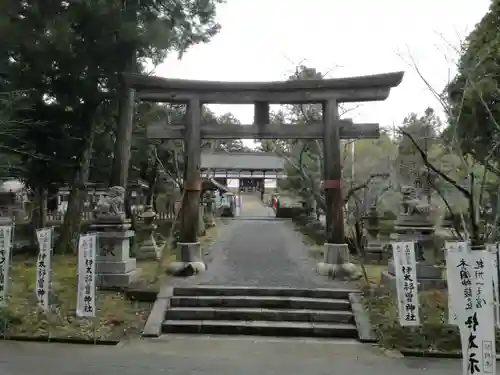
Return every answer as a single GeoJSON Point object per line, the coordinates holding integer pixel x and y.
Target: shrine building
{"type": "Point", "coordinates": [244, 171]}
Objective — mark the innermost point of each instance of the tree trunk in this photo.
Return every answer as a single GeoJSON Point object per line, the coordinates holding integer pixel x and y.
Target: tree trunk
{"type": "Point", "coordinates": [39, 217]}
{"type": "Point", "coordinates": [153, 176]}
{"type": "Point", "coordinates": [70, 228]}
{"type": "Point", "coordinates": [121, 160]}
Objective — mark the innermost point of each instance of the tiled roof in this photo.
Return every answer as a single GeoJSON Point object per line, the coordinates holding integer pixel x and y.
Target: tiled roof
{"type": "Point", "coordinates": [242, 161]}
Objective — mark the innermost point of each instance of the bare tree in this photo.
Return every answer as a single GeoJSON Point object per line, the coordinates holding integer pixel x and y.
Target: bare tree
{"type": "Point", "coordinates": [474, 190]}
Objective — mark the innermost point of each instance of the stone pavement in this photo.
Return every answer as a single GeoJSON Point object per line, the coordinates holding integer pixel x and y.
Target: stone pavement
{"type": "Point", "coordinates": [252, 206]}
{"type": "Point", "coordinates": [213, 356]}
{"type": "Point", "coordinates": [256, 249]}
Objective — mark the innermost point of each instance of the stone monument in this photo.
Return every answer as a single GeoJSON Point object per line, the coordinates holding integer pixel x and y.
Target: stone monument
{"type": "Point", "coordinates": [115, 267]}
{"type": "Point", "coordinates": [414, 224]}
{"type": "Point", "coordinates": [148, 248]}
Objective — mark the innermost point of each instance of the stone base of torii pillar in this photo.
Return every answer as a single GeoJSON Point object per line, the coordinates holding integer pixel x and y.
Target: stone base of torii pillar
{"type": "Point", "coordinates": [188, 260]}
{"type": "Point", "coordinates": [336, 263]}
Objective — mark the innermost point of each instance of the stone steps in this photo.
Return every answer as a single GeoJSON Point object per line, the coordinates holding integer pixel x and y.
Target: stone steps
{"type": "Point", "coordinates": [260, 328]}
{"type": "Point", "coordinates": [260, 311]}
{"type": "Point", "coordinates": [260, 302]}
{"type": "Point", "coordinates": [251, 314]}
{"type": "Point", "coordinates": [261, 292]}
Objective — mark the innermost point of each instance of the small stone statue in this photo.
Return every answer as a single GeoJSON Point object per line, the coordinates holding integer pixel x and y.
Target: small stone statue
{"type": "Point", "coordinates": [111, 205]}
{"type": "Point", "coordinates": [415, 219]}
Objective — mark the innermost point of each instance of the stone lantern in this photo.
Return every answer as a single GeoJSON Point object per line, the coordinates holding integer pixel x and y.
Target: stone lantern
{"type": "Point", "coordinates": [372, 222]}
{"type": "Point", "coordinates": [148, 248]}
{"type": "Point", "coordinates": [209, 212]}
{"type": "Point", "coordinates": [11, 193]}
{"type": "Point", "coordinates": [374, 248]}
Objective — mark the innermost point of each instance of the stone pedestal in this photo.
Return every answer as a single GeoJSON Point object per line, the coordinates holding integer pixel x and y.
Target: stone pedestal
{"type": "Point", "coordinates": [336, 263]}
{"type": "Point", "coordinates": [188, 260]}
{"type": "Point", "coordinates": [114, 266]}
{"type": "Point", "coordinates": [374, 249]}
{"type": "Point", "coordinates": [374, 252]}
{"type": "Point", "coordinates": [428, 277]}
{"type": "Point", "coordinates": [148, 250]}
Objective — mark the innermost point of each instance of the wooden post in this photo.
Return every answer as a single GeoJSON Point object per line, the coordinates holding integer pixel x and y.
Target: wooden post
{"type": "Point", "coordinates": [261, 113]}
{"type": "Point", "coordinates": [192, 179]}
{"type": "Point", "coordinates": [332, 175]}
{"type": "Point", "coordinates": [261, 119]}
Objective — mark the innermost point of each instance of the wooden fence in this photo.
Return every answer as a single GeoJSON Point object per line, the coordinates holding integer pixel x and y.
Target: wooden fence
{"type": "Point", "coordinates": [58, 217]}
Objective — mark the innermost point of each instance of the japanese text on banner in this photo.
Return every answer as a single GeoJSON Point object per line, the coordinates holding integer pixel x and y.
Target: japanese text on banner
{"type": "Point", "coordinates": [5, 248]}
{"type": "Point", "coordinates": [493, 248]}
{"type": "Point", "coordinates": [86, 303]}
{"type": "Point", "coordinates": [406, 282]}
{"type": "Point", "coordinates": [477, 326]}
{"type": "Point", "coordinates": [43, 267]}
{"type": "Point", "coordinates": [455, 251]}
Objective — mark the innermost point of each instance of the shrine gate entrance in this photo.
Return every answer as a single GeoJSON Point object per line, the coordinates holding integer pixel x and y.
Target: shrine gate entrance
{"type": "Point", "coordinates": [328, 92]}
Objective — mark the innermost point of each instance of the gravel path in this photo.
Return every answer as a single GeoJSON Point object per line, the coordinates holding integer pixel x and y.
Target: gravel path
{"type": "Point", "coordinates": [256, 249]}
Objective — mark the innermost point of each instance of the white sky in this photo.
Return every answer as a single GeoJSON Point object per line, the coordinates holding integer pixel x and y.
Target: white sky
{"type": "Point", "coordinates": [263, 40]}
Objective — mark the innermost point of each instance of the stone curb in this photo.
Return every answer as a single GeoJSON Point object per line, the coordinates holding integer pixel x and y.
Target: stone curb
{"type": "Point", "coordinates": [153, 326]}
{"type": "Point", "coordinates": [433, 354]}
{"type": "Point", "coordinates": [362, 319]}
{"type": "Point", "coordinates": [141, 295]}
{"type": "Point", "coordinates": [66, 340]}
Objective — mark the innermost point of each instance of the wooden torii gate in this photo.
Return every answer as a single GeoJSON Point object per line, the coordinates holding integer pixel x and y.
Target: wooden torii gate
{"type": "Point", "coordinates": [328, 92]}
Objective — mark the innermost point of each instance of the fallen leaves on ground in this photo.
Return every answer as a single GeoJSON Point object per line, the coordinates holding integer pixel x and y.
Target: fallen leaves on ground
{"type": "Point", "coordinates": [434, 332]}
{"type": "Point", "coordinates": [115, 315]}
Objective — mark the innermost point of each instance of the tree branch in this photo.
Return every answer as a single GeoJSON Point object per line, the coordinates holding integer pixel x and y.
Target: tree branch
{"type": "Point", "coordinates": [353, 190]}
{"type": "Point", "coordinates": [448, 207]}
{"type": "Point", "coordinates": [432, 167]}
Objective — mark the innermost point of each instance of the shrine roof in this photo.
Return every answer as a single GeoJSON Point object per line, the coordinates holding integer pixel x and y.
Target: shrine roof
{"type": "Point", "coordinates": [242, 161]}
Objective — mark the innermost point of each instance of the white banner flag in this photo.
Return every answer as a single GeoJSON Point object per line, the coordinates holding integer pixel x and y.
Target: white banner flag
{"type": "Point", "coordinates": [493, 249]}
{"type": "Point", "coordinates": [455, 251]}
{"type": "Point", "coordinates": [477, 325]}
{"type": "Point", "coordinates": [86, 301]}
{"type": "Point", "coordinates": [44, 267]}
{"type": "Point", "coordinates": [405, 267]}
{"type": "Point", "coordinates": [5, 249]}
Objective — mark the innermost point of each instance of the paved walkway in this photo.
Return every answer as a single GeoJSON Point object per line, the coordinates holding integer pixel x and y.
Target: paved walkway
{"type": "Point", "coordinates": [255, 249]}
{"type": "Point", "coordinates": [213, 356]}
